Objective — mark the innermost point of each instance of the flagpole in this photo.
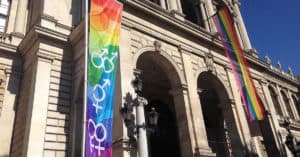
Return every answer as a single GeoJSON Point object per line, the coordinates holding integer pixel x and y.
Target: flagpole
{"type": "Point", "coordinates": [85, 77]}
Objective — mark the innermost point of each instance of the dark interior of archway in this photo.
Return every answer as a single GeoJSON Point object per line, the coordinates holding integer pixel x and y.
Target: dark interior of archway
{"type": "Point", "coordinates": [222, 139]}
{"type": "Point", "coordinates": [214, 121]}
{"type": "Point", "coordinates": [163, 141]}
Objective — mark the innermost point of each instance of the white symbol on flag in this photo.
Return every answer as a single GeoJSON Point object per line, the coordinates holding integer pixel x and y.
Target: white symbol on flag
{"type": "Point", "coordinates": [99, 95]}
{"type": "Point", "coordinates": [96, 145]}
{"type": "Point", "coordinates": [103, 59]}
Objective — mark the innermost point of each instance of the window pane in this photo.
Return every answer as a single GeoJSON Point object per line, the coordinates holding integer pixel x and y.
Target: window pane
{"type": "Point", "coordinates": [2, 23]}
{"type": "Point", "coordinates": [4, 7]}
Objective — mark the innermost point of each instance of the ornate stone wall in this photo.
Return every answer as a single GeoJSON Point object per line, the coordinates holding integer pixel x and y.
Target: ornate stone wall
{"type": "Point", "coordinates": [41, 68]}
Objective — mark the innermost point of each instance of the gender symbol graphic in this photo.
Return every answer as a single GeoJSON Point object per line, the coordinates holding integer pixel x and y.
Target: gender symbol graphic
{"type": "Point", "coordinates": [104, 59]}
{"type": "Point", "coordinates": [93, 135]}
{"type": "Point", "coordinates": [102, 95]}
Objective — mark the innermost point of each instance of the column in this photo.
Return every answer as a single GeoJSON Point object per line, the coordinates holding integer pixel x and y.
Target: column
{"type": "Point", "coordinates": [272, 117]}
{"type": "Point", "coordinates": [175, 8]}
{"type": "Point", "coordinates": [238, 31]}
{"type": "Point", "coordinates": [141, 124]}
{"type": "Point", "coordinates": [240, 114]}
{"type": "Point", "coordinates": [37, 125]}
{"type": "Point", "coordinates": [175, 5]}
{"type": "Point", "coordinates": [163, 4]}
{"type": "Point", "coordinates": [193, 107]}
{"type": "Point", "coordinates": [7, 115]}
{"type": "Point", "coordinates": [204, 15]}
{"type": "Point", "coordinates": [21, 17]}
{"type": "Point", "coordinates": [211, 12]}
{"type": "Point", "coordinates": [241, 25]}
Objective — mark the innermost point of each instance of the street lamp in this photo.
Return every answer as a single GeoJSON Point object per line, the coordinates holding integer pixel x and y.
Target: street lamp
{"type": "Point", "coordinates": [137, 128]}
{"type": "Point", "coordinates": [290, 141]}
{"type": "Point", "coordinates": [153, 117]}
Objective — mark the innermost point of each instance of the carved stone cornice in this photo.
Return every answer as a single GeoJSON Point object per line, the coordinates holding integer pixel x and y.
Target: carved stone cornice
{"type": "Point", "coordinates": [38, 35]}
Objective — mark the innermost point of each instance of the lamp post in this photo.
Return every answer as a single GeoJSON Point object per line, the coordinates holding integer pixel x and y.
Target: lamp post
{"type": "Point", "coordinates": [290, 141]}
{"type": "Point", "coordinates": [137, 133]}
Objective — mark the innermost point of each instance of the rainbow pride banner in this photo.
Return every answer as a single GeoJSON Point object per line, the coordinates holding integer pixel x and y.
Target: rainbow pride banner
{"type": "Point", "coordinates": [104, 34]}
{"type": "Point", "coordinates": [224, 24]}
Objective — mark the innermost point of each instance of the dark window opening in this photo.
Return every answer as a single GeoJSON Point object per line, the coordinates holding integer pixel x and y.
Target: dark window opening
{"type": "Point", "coordinates": [287, 104]}
{"type": "Point", "coordinates": [275, 101]}
{"type": "Point", "coordinates": [296, 102]}
{"type": "Point", "coordinates": [192, 12]}
{"type": "Point", "coordinates": [156, 1]}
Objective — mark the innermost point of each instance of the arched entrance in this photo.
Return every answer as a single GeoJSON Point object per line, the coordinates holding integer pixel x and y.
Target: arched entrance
{"type": "Point", "coordinates": [222, 134]}
{"type": "Point", "coordinates": [159, 78]}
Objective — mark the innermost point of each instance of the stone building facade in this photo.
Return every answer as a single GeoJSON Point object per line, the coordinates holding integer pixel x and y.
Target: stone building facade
{"type": "Point", "coordinates": [186, 77]}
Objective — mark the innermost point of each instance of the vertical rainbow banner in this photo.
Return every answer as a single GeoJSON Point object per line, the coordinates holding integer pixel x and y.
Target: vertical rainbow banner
{"type": "Point", "coordinates": [105, 22]}
{"type": "Point", "coordinates": [224, 24]}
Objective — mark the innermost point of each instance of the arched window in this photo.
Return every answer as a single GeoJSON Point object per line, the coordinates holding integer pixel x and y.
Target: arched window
{"type": "Point", "coordinates": [275, 101]}
{"type": "Point", "coordinates": [287, 104]}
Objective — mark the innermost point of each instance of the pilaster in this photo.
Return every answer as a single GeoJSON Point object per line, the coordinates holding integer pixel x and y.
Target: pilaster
{"type": "Point", "coordinates": [163, 4]}
{"type": "Point", "coordinates": [239, 110]}
{"type": "Point", "coordinates": [40, 48]}
{"type": "Point", "coordinates": [175, 8]}
{"type": "Point", "coordinates": [37, 125]}
{"type": "Point", "coordinates": [9, 92]}
{"type": "Point", "coordinates": [21, 17]}
{"type": "Point", "coordinates": [211, 12]}
{"type": "Point", "coordinates": [194, 111]}
{"type": "Point", "coordinates": [126, 75]}
{"type": "Point", "coordinates": [204, 15]}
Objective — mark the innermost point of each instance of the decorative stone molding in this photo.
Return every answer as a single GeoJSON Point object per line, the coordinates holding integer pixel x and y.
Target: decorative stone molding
{"type": "Point", "coordinates": [50, 22]}
{"type": "Point", "coordinates": [157, 45]}
{"type": "Point", "coordinates": [45, 57]}
{"type": "Point", "coordinates": [209, 61]}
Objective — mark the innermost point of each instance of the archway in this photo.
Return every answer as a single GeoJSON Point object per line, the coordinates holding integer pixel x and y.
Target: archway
{"type": "Point", "coordinates": [159, 78]}
{"type": "Point", "coordinates": [222, 133]}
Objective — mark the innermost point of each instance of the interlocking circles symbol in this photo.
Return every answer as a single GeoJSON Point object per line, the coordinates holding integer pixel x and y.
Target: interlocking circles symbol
{"type": "Point", "coordinates": [99, 60]}
{"type": "Point", "coordinates": [94, 132]}
{"type": "Point", "coordinates": [99, 94]}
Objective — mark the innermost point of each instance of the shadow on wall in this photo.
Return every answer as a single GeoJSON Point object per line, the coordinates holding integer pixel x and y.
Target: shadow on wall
{"type": "Point", "coordinates": [13, 85]}
{"type": "Point", "coordinates": [64, 104]}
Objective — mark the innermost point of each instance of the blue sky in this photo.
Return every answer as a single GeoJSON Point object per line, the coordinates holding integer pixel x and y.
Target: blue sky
{"type": "Point", "coordinates": [274, 29]}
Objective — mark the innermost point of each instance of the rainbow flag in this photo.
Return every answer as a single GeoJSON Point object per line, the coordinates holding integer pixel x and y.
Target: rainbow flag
{"type": "Point", "coordinates": [224, 24]}
{"type": "Point", "coordinates": [104, 33]}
